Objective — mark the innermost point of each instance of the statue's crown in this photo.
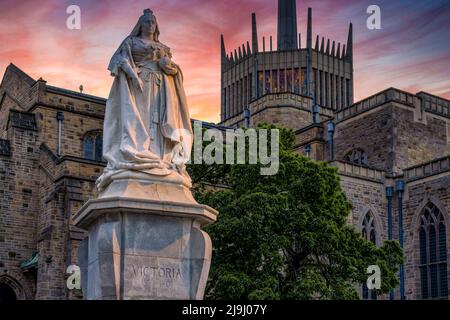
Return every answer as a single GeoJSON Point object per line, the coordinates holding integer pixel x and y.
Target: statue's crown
{"type": "Point", "coordinates": [148, 11]}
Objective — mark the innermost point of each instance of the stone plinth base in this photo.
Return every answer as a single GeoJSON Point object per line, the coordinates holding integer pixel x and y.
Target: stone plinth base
{"type": "Point", "coordinates": [144, 241]}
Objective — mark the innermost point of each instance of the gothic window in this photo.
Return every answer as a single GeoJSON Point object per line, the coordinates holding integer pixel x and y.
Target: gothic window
{"type": "Point", "coordinates": [297, 81]}
{"type": "Point", "coordinates": [88, 147]}
{"type": "Point", "coordinates": [314, 82]}
{"type": "Point", "coordinates": [433, 254]}
{"type": "Point", "coordinates": [333, 92]}
{"type": "Point", "coordinates": [336, 82]}
{"type": "Point", "coordinates": [245, 96]}
{"type": "Point", "coordinates": [321, 90]}
{"type": "Point", "coordinates": [241, 95]}
{"type": "Point", "coordinates": [250, 87]}
{"type": "Point", "coordinates": [93, 146]}
{"type": "Point", "coordinates": [267, 81]}
{"type": "Point", "coordinates": [303, 81]}
{"type": "Point", "coordinates": [347, 86]}
{"type": "Point", "coordinates": [282, 81]}
{"type": "Point", "coordinates": [274, 81]}
{"type": "Point", "coordinates": [260, 83]}
{"type": "Point", "coordinates": [289, 75]}
{"type": "Point", "coordinates": [369, 234]}
{"type": "Point", "coordinates": [357, 156]}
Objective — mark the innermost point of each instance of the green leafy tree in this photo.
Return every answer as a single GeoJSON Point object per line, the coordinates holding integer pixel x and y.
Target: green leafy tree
{"type": "Point", "coordinates": [285, 236]}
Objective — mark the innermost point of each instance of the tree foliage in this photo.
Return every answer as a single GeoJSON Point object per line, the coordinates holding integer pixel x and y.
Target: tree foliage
{"type": "Point", "coordinates": [286, 236]}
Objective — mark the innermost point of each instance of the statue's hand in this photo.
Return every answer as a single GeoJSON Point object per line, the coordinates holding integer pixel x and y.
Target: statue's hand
{"type": "Point", "coordinates": [131, 73]}
{"type": "Point", "coordinates": [167, 65]}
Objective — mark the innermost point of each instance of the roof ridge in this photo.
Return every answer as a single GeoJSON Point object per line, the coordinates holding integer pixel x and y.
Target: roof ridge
{"type": "Point", "coordinates": [16, 69]}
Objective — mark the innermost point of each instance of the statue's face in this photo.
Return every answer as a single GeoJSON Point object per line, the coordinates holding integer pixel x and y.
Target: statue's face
{"type": "Point", "coordinates": [148, 27]}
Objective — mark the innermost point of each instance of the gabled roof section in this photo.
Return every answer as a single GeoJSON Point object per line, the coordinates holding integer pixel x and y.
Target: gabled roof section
{"type": "Point", "coordinates": [13, 68]}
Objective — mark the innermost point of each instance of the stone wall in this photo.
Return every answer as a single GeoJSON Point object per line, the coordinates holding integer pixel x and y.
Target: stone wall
{"type": "Point", "coordinates": [74, 128]}
{"type": "Point", "coordinates": [417, 142]}
{"type": "Point", "coordinates": [371, 132]}
{"type": "Point", "coordinates": [19, 209]}
{"type": "Point", "coordinates": [283, 116]}
{"type": "Point", "coordinates": [65, 184]}
{"type": "Point", "coordinates": [396, 129]}
{"type": "Point", "coordinates": [365, 189]}
{"type": "Point", "coordinates": [40, 191]}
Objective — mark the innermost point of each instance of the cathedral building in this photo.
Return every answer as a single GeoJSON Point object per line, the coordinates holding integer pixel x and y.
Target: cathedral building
{"type": "Point", "coordinates": [391, 150]}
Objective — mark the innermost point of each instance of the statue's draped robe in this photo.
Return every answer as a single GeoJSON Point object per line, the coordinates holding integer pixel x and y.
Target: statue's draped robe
{"type": "Point", "coordinates": [145, 130]}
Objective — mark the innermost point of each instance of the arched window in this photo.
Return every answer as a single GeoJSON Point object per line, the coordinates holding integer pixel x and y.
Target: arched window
{"type": "Point", "coordinates": [357, 156]}
{"type": "Point", "coordinates": [369, 233]}
{"type": "Point", "coordinates": [433, 254]}
{"type": "Point", "coordinates": [93, 145]}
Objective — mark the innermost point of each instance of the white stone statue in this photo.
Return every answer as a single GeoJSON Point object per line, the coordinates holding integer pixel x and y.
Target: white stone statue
{"type": "Point", "coordinates": [147, 126]}
{"type": "Point", "coordinates": [144, 228]}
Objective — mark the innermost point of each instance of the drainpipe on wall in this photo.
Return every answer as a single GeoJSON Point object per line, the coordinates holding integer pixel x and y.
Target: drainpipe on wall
{"type": "Point", "coordinates": [389, 195]}
{"type": "Point", "coordinates": [59, 118]}
{"type": "Point", "coordinates": [246, 117]}
{"type": "Point", "coordinates": [331, 129]}
{"type": "Point", "coordinates": [400, 186]}
{"type": "Point", "coordinates": [316, 111]}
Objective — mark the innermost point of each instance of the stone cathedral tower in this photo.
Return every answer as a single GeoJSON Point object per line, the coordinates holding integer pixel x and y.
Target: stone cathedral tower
{"type": "Point", "coordinates": [282, 85]}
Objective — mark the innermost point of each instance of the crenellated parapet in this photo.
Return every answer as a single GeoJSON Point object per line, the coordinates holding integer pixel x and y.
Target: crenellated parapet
{"type": "Point", "coordinates": [323, 72]}
{"type": "Point", "coordinates": [422, 102]}
{"type": "Point", "coordinates": [427, 169]}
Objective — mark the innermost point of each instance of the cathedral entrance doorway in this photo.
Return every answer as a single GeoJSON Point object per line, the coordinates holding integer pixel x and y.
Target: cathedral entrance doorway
{"type": "Point", "coordinates": [7, 293]}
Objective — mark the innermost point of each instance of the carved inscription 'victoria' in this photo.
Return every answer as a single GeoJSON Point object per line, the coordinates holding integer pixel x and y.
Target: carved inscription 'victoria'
{"type": "Point", "coordinates": [146, 272]}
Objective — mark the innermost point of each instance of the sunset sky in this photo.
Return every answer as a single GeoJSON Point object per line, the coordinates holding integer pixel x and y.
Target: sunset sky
{"type": "Point", "coordinates": [410, 52]}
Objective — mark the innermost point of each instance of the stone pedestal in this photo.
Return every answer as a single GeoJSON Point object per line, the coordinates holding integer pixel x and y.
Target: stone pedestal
{"type": "Point", "coordinates": [145, 240]}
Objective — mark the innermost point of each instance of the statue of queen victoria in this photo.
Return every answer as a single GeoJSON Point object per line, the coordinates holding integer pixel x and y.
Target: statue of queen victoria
{"type": "Point", "coordinates": [147, 125]}
{"type": "Point", "coordinates": [145, 214]}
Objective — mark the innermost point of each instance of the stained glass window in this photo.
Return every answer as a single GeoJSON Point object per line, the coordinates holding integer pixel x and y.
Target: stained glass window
{"type": "Point", "coordinates": [282, 81]}
{"type": "Point", "coordinates": [267, 81]}
{"type": "Point", "coordinates": [297, 81]}
{"type": "Point", "coordinates": [433, 254]}
{"type": "Point", "coordinates": [289, 80]}
{"type": "Point", "coordinates": [260, 83]}
{"type": "Point", "coordinates": [274, 80]}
